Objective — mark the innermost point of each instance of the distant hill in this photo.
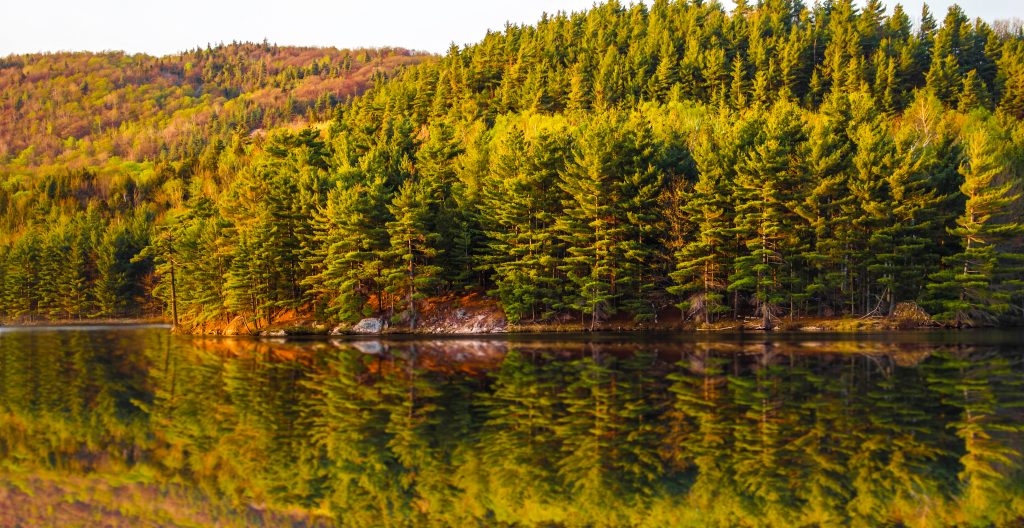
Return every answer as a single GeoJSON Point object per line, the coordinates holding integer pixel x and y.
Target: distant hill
{"type": "Point", "coordinates": [78, 109]}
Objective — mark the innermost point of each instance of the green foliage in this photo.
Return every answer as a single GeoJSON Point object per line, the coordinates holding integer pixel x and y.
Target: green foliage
{"type": "Point", "coordinates": [411, 269]}
{"type": "Point", "coordinates": [349, 240]}
{"type": "Point", "coordinates": [523, 199]}
{"type": "Point", "coordinates": [769, 180]}
{"type": "Point", "coordinates": [776, 161]}
{"type": "Point", "coordinates": [969, 288]}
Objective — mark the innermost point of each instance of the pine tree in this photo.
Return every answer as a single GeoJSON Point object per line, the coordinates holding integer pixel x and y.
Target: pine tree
{"type": "Point", "coordinates": [21, 278]}
{"type": "Point", "coordinates": [351, 238]}
{"type": "Point", "coordinates": [588, 225]}
{"type": "Point", "coordinates": [411, 270]}
{"type": "Point", "coordinates": [118, 287]}
{"type": "Point", "coordinates": [612, 190]}
{"type": "Point", "coordinates": [968, 290]}
{"type": "Point", "coordinates": [641, 249]}
{"type": "Point", "coordinates": [767, 184]}
{"type": "Point", "coordinates": [1011, 80]}
{"type": "Point", "coordinates": [828, 205]}
{"type": "Point", "coordinates": [974, 94]}
{"type": "Point", "coordinates": [523, 199]}
{"type": "Point", "coordinates": [666, 76]}
{"type": "Point", "coordinates": [703, 261]}
{"type": "Point", "coordinates": [453, 218]}
{"type": "Point", "coordinates": [738, 86]}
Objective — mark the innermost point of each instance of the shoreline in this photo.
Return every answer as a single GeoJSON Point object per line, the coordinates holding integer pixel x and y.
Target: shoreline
{"type": "Point", "coordinates": [310, 328]}
{"type": "Point", "coordinates": [841, 325]}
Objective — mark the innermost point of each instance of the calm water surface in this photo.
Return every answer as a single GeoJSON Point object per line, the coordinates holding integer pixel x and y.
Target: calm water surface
{"type": "Point", "coordinates": [914, 428]}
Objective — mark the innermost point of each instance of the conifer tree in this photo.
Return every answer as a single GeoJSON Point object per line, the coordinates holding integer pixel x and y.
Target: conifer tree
{"type": "Point", "coordinates": [588, 225]}
{"type": "Point", "coordinates": [768, 181]}
{"type": "Point", "coordinates": [973, 94]}
{"type": "Point", "coordinates": [703, 261]}
{"type": "Point", "coordinates": [436, 169]}
{"type": "Point", "coordinates": [21, 278]}
{"type": "Point", "coordinates": [351, 238]}
{"type": "Point", "coordinates": [828, 205]}
{"type": "Point", "coordinates": [612, 189]}
{"type": "Point", "coordinates": [968, 289]}
{"type": "Point", "coordinates": [411, 270]}
{"type": "Point", "coordinates": [524, 199]}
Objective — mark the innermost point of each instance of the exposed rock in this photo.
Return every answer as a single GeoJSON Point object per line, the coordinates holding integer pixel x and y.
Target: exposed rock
{"type": "Point", "coordinates": [280, 332]}
{"type": "Point", "coordinates": [370, 325]}
{"type": "Point", "coordinates": [477, 323]}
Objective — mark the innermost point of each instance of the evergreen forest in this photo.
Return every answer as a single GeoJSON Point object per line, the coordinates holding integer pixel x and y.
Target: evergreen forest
{"type": "Point", "coordinates": [631, 162]}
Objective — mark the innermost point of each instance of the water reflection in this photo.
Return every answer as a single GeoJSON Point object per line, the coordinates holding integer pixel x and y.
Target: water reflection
{"type": "Point", "coordinates": [919, 429]}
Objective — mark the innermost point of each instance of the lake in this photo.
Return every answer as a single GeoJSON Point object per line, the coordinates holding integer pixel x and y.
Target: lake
{"type": "Point", "coordinates": [131, 426]}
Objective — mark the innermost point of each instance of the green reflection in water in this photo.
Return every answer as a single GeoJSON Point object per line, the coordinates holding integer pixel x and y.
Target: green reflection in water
{"type": "Point", "coordinates": [914, 429]}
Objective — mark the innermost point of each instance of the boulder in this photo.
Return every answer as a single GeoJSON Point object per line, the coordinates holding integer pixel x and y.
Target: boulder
{"type": "Point", "coordinates": [370, 325]}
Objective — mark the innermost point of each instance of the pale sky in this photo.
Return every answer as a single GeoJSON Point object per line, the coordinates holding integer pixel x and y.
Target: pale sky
{"type": "Point", "coordinates": [168, 27]}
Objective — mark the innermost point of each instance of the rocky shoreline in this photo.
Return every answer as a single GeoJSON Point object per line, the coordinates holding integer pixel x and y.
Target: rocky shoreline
{"type": "Point", "coordinates": [484, 318]}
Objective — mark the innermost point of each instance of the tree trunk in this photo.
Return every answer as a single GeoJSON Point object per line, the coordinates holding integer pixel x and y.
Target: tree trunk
{"type": "Point", "coordinates": [174, 299]}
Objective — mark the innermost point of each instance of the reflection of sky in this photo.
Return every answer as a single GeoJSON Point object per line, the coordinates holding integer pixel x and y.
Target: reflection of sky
{"type": "Point", "coordinates": [168, 27]}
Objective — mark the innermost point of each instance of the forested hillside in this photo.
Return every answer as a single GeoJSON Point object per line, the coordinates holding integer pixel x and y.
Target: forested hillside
{"type": "Point", "coordinates": [775, 161]}
{"type": "Point", "coordinates": [95, 148]}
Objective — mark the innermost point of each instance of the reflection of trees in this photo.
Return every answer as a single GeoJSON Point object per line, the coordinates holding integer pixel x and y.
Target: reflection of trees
{"type": "Point", "coordinates": [745, 434]}
{"type": "Point", "coordinates": [699, 422]}
{"type": "Point", "coordinates": [984, 389]}
{"type": "Point", "coordinates": [230, 424]}
{"type": "Point", "coordinates": [898, 448]}
{"type": "Point", "coordinates": [518, 438]}
{"type": "Point", "coordinates": [349, 423]}
{"type": "Point", "coordinates": [67, 406]}
{"type": "Point", "coordinates": [609, 434]}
